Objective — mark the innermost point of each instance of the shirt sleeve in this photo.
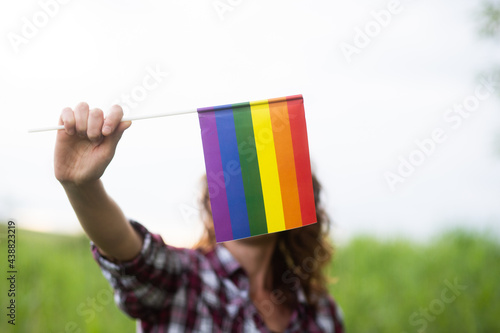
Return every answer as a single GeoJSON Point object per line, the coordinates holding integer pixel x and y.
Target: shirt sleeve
{"type": "Point", "coordinates": [148, 283]}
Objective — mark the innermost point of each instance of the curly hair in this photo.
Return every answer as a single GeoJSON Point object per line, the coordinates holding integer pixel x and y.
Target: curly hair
{"type": "Point", "coordinates": [300, 254]}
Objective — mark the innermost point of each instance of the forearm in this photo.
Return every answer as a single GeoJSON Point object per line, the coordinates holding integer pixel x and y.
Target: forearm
{"type": "Point", "coordinates": [103, 221]}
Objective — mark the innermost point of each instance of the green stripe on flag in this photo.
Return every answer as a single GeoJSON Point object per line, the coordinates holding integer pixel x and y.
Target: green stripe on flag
{"type": "Point", "coordinates": [250, 168]}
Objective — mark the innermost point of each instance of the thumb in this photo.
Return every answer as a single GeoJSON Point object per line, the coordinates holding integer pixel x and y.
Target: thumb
{"type": "Point", "coordinates": [121, 128]}
{"type": "Point", "coordinates": [111, 141]}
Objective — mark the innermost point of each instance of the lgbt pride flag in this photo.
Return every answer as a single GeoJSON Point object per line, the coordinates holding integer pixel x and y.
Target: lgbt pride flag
{"type": "Point", "coordinates": [258, 167]}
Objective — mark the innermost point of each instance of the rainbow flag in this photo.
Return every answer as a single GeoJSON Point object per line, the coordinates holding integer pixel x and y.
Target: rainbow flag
{"type": "Point", "coordinates": [258, 167]}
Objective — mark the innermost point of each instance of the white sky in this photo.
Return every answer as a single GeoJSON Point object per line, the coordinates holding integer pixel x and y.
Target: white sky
{"type": "Point", "coordinates": [361, 115]}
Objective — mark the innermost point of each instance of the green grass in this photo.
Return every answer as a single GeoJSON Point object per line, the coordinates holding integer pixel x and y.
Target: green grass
{"type": "Point", "coordinates": [383, 286]}
{"type": "Point", "coordinates": [379, 285]}
{"type": "Point", "coordinates": [56, 282]}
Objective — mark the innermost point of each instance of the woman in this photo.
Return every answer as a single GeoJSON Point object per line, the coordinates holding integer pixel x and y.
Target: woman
{"type": "Point", "coordinates": [269, 283]}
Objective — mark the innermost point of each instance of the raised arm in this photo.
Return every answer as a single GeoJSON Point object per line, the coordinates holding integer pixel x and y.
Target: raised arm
{"type": "Point", "coordinates": [83, 151]}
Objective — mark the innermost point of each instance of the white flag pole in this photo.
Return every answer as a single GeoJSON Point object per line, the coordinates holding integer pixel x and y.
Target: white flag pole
{"type": "Point", "coordinates": [130, 118]}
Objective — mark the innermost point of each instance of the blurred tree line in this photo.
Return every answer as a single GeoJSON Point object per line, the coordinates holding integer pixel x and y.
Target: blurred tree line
{"type": "Point", "coordinates": [489, 18]}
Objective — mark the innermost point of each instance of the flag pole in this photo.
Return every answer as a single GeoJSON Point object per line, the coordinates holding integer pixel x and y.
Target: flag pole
{"type": "Point", "coordinates": [129, 118]}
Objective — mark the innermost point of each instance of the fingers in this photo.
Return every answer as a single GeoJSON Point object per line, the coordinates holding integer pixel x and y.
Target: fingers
{"type": "Point", "coordinates": [68, 120]}
{"type": "Point", "coordinates": [94, 125]}
{"type": "Point", "coordinates": [112, 120]}
{"type": "Point", "coordinates": [81, 118]}
{"type": "Point", "coordinates": [91, 124]}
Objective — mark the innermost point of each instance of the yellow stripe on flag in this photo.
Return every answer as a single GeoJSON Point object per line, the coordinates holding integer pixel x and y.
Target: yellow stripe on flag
{"type": "Point", "coordinates": [268, 165]}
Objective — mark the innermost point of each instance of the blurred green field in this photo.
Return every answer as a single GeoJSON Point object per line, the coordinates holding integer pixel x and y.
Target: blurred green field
{"type": "Point", "coordinates": [398, 286]}
{"type": "Point", "coordinates": [390, 286]}
{"type": "Point", "coordinates": [60, 288]}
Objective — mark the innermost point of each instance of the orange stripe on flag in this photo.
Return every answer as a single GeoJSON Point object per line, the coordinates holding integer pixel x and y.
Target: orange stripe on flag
{"type": "Point", "coordinates": [286, 163]}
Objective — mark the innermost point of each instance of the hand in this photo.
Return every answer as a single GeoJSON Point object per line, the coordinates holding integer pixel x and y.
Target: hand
{"type": "Point", "coordinates": [87, 144]}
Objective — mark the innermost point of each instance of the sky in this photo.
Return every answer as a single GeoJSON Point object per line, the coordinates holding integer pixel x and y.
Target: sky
{"type": "Point", "coordinates": [397, 90]}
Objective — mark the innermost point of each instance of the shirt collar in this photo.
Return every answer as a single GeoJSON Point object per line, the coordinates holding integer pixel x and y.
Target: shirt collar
{"type": "Point", "coordinates": [229, 266]}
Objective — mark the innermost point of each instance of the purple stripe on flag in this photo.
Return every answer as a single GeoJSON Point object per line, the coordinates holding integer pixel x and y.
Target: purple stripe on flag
{"type": "Point", "coordinates": [215, 175]}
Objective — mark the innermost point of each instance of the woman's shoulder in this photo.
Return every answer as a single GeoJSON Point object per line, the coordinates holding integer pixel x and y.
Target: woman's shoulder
{"type": "Point", "coordinates": [329, 312]}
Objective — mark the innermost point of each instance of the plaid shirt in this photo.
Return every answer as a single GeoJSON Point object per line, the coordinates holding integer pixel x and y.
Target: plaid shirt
{"type": "Point", "coordinates": [181, 290]}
